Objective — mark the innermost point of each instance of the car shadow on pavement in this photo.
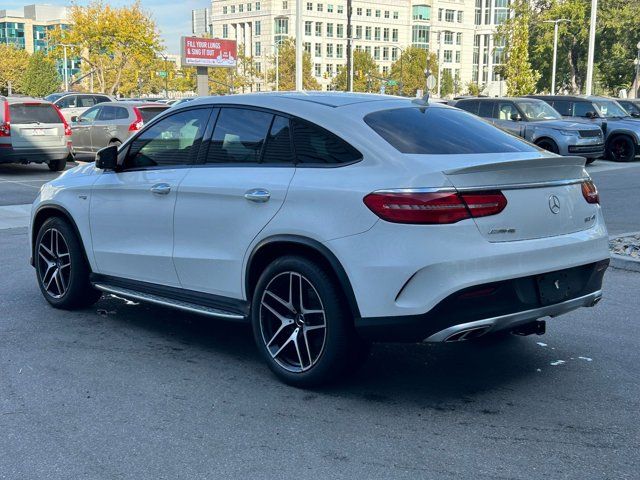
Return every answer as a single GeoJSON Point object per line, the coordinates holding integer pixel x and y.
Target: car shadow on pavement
{"type": "Point", "coordinates": [437, 375]}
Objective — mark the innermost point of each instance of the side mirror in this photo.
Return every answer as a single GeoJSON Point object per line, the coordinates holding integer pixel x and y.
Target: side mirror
{"type": "Point", "coordinates": [516, 117]}
{"type": "Point", "coordinates": [107, 158]}
{"type": "Point", "coordinates": [591, 115]}
{"type": "Point", "coordinates": [74, 118]}
{"type": "Point", "coordinates": [635, 115]}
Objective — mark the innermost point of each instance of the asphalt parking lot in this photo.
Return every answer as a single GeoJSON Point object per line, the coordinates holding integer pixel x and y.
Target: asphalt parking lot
{"type": "Point", "coordinates": [131, 391]}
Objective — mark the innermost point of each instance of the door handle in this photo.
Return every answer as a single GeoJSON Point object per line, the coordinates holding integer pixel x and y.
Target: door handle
{"type": "Point", "coordinates": [258, 195]}
{"type": "Point", "coordinates": [161, 188]}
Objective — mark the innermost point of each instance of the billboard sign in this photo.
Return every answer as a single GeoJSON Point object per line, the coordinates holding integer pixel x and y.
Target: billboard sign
{"type": "Point", "coordinates": [209, 52]}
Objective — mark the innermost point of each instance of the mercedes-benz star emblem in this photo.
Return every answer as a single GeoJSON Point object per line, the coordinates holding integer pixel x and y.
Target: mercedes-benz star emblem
{"type": "Point", "coordinates": [554, 204]}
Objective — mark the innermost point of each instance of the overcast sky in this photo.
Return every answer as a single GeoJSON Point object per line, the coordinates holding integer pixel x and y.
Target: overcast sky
{"type": "Point", "coordinates": [172, 17]}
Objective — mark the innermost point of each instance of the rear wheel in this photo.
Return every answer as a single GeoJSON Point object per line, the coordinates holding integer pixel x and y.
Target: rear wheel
{"type": "Point", "coordinates": [61, 268]}
{"type": "Point", "coordinates": [57, 165]}
{"type": "Point", "coordinates": [548, 144]}
{"type": "Point", "coordinates": [621, 149]}
{"type": "Point", "coordinates": [301, 324]}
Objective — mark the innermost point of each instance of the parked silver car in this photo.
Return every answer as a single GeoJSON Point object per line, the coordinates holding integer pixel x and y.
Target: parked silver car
{"type": "Point", "coordinates": [33, 130]}
{"type": "Point", "coordinates": [73, 104]}
{"type": "Point", "coordinates": [621, 130]}
{"type": "Point", "coordinates": [537, 122]}
{"type": "Point", "coordinates": [110, 124]}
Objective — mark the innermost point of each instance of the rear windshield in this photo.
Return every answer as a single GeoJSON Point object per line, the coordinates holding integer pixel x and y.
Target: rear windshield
{"type": "Point", "coordinates": [33, 113]}
{"type": "Point", "coordinates": [148, 113]}
{"type": "Point", "coordinates": [441, 131]}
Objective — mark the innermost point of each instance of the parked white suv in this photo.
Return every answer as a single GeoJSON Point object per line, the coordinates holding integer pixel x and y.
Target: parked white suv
{"type": "Point", "coordinates": [327, 221]}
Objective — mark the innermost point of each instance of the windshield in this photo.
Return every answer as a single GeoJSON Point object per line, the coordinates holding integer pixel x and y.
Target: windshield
{"type": "Point", "coordinates": [538, 110]}
{"type": "Point", "coordinates": [53, 97]}
{"type": "Point", "coordinates": [631, 107]}
{"type": "Point", "coordinates": [610, 109]}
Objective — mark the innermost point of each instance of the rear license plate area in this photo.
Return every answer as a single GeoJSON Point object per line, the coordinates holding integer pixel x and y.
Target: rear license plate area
{"type": "Point", "coordinates": [555, 287]}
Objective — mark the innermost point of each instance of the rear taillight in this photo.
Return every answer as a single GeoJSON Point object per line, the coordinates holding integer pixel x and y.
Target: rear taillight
{"type": "Point", "coordinates": [67, 128]}
{"type": "Point", "coordinates": [5, 125]}
{"type": "Point", "coordinates": [434, 207]}
{"type": "Point", "coordinates": [137, 124]}
{"type": "Point", "coordinates": [590, 192]}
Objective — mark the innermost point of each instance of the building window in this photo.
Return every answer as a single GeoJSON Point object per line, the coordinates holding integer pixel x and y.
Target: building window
{"type": "Point", "coordinates": [386, 14]}
{"type": "Point", "coordinates": [340, 30]}
{"type": "Point", "coordinates": [377, 13]}
{"type": "Point", "coordinates": [423, 12]}
{"type": "Point", "coordinates": [257, 28]}
{"type": "Point", "coordinates": [367, 33]}
{"type": "Point", "coordinates": [318, 69]}
{"type": "Point", "coordinates": [385, 34]}
{"type": "Point", "coordinates": [224, 10]}
{"type": "Point", "coordinates": [440, 10]}
{"type": "Point", "coordinates": [478, 19]}
{"type": "Point", "coordinates": [307, 47]}
{"type": "Point", "coordinates": [448, 56]}
{"type": "Point", "coordinates": [420, 36]}
{"type": "Point", "coordinates": [258, 67]}
{"type": "Point", "coordinates": [307, 28]}
{"type": "Point", "coordinates": [385, 53]}
{"type": "Point", "coordinates": [359, 31]}
{"type": "Point", "coordinates": [309, 6]}
{"type": "Point", "coordinates": [318, 50]}
{"type": "Point", "coordinates": [339, 50]}
{"type": "Point", "coordinates": [368, 12]}
{"type": "Point", "coordinates": [448, 38]}
{"type": "Point", "coordinates": [225, 31]}
{"type": "Point", "coordinates": [459, 38]}
{"type": "Point", "coordinates": [376, 53]}
{"type": "Point", "coordinates": [281, 29]}
{"type": "Point", "coordinates": [329, 9]}
{"type": "Point", "coordinates": [457, 56]}
{"type": "Point", "coordinates": [318, 29]}
{"type": "Point", "coordinates": [233, 9]}
{"type": "Point", "coordinates": [285, 5]}
{"type": "Point", "coordinates": [376, 35]}
{"type": "Point", "coordinates": [249, 5]}
{"type": "Point", "coordinates": [330, 50]}
{"type": "Point", "coordinates": [329, 69]}
{"type": "Point", "coordinates": [394, 54]}
{"type": "Point", "coordinates": [460, 16]}
{"type": "Point", "coordinates": [329, 29]}
{"type": "Point", "coordinates": [341, 9]}
{"type": "Point", "coordinates": [258, 87]}
{"type": "Point", "coordinates": [501, 11]}
{"type": "Point", "coordinates": [359, 11]}
{"type": "Point", "coordinates": [257, 6]}
{"type": "Point", "coordinates": [394, 35]}
{"type": "Point", "coordinates": [396, 15]}
{"type": "Point", "coordinates": [449, 16]}
{"type": "Point", "coordinates": [367, 50]}
{"type": "Point", "coordinates": [241, 8]}
{"type": "Point", "coordinates": [385, 70]}
{"type": "Point", "coordinates": [319, 7]}
{"type": "Point", "coordinates": [257, 49]}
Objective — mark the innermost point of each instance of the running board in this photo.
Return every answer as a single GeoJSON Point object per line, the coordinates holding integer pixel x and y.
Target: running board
{"type": "Point", "coordinates": [168, 302]}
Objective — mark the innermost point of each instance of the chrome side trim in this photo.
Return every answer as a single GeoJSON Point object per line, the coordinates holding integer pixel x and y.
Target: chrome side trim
{"type": "Point", "coordinates": [166, 302]}
{"type": "Point", "coordinates": [508, 186]}
{"type": "Point", "coordinates": [512, 320]}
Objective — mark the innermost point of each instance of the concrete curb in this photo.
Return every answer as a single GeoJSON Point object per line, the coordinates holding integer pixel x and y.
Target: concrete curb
{"type": "Point", "coordinates": [623, 262]}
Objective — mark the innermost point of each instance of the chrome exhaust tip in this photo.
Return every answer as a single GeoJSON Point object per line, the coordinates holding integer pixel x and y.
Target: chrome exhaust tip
{"type": "Point", "coordinates": [468, 334]}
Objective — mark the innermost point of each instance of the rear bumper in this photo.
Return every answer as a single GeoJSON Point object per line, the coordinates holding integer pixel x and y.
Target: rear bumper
{"type": "Point", "coordinates": [33, 155]}
{"type": "Point", "coordinates": [498, 306]}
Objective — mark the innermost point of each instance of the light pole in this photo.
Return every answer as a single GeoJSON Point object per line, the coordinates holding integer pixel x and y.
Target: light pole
{"type": "Point", "coordinates": [555, 49]}
{"type": "Point", "coordinates": [166, 75]}
{"type": "Point", "coordinates": [65, 73]}
{"type": "Point", "coordinates": [637, 82]}
{"type": "Point", "coordinates": [592, 45]}
{"type": "Point", "coordinates": [299, 46]}
{"type": "Point", "coordinates": [398, 47]}
{"type": "Point", "coordinates": [349, 48]}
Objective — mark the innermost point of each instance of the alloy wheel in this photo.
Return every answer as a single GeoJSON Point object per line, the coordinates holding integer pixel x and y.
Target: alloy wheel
{"type": "Point", "coordinates": [620, 149]}
{"type": "Point", "coordinates": [54, 263]}
{"type": "Point", "coordinates": [293, 322]}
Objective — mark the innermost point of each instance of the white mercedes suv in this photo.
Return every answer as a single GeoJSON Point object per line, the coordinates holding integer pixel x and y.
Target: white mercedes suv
{"type": "Point", "coordinates": [327, 221]}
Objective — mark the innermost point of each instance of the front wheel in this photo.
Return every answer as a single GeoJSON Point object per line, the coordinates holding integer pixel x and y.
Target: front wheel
{"type": "Point", "coordinates": [621, 149]}
{"type": "Point", "coordinates": [61, 268]}
{"type": "Point", "coordinates": [57, 165]}
{"type": "Point", "coordinates": [549, 145]}
{"type": "Point", "coordinates": [301, 324]}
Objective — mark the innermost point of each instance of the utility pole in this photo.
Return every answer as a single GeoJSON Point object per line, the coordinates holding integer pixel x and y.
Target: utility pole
{"type": "Point", "coordinates": [65, 73]}
{"type": "Point", "coordinates": [166, 75]}
{"type": "Point", "coordinates": [555, 50]}
{"type": "Point", "coordinates": [592, 45]}
{"type": "Point", "coordinates": [349, 48]}
{"type": "Point", "coordinates": [299, 47]}
{"type": "Point", "coordinates": [401, 84]}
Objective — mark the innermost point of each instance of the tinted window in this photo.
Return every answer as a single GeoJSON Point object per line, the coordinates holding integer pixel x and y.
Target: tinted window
{"type": "Point", "coordinates": [101, 99]}
{"type": "Point", "coordinates": [278, 148]}
{"type": "Point", "coordinates": [109, 113]}
{"type": "Point", "coordinates": [41, 113]}
{"type": "Point", "coordinates": [429, 130]}
{"type": "Point", "coordinates": [506, 109]}
{"type": "Point", "coordinates": [239, 136]}
{"type": "Point", "coordinates": [67, 102]}
{"type": "Point", "coordinates": [315, 145]}
{"type": "Point", "coordinates": [470, 106]}
{"type": "Point", "coordinates": [85, 101]}
{"type": "Point", "coordinates": [580, 109]}
{"type": "Point", "coordinates": [563, 107]}
{"type": "Point", "coordinates": [171, 141]}
{"type": "Point", "coordinates": [630, 107]}
{"type": "Point", "coordinates": [147, 113]}
{"type": "Point", "coordinates": [486, 109]}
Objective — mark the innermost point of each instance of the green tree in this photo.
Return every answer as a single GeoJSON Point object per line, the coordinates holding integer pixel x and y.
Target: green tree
{"type": "Point", "coordinates": [287, 68]}
{"type": "Point", "coordinates": [414, 62]}
{"type": "Point", "coordinates": [13, 63]}
{"type": "Point", "coordinates": [41, 76]}
{"type": "Point", "coordinates": [364, 68]}
{"type": "Point", "coordinates": [517, 71]}
{"type": "Point", "coordinates": [111, 41]}
{"type": "Point", "coordinates": [447, 83]}
{"type": "Point", "coordinates": [473, 89]}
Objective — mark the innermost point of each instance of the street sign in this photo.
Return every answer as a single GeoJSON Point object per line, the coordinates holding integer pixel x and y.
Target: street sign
{"type": "Point", "coordinates": [431, 82]}
{"type": "Point", "coordinates": [392, 83]}
{"type": "Point", "coordinates": [162, 74]}
{"type": "Point", "coordinates": [209, 52]}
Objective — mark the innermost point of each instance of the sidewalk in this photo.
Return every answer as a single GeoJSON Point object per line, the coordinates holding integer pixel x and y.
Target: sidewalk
{"type": "Point", "coordinates": [14, 216]}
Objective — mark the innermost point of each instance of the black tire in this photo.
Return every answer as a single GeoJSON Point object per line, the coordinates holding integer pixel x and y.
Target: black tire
{"type": "Point", "coordinates": [621, 149]}
{"type": "Point", "coordinates": [57, 165]}
{"type": "Point", "coordinates": [332, 351]}
{"type": "Point", "coordinates": [548, 144]}
{"type": "Point", "coordinates": [71, 289]}
{"type": "Point", "coordinates": [590, 161]}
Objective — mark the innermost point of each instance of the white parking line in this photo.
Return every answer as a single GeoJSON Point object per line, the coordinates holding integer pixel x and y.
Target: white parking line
{"type": "Point", "coordinates": [24, 183]}
{"type": "Point", "coordinates": [15, 216]}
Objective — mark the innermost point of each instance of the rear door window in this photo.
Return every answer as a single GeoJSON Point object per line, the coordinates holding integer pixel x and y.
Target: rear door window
{"type": "Point", "coordinates": [580, 109]}
{"type": "Point", "coordinates": [21, 113]}
{"type": "Point", "coordinates": [109, 113]}
{"type": "Point", "coordinates": [239, 136]}
{"type": "Point", "coordinates": [486, 109]}
{"type": "Point", "coordinates": [506, 110]}
{"type": "Point", "coordinates": [470, 106]}
{"type": "Point", "coordinates": [101, 99]}
{"type": "Point", "coordinates": [85, 101]}
{"type": "Point", "coordinates": [441, 131]}
{"type": "Point", "coordinates": [563, 107]}
{"type": "Point", "coordinates": [315, 145]}
{"type": "Point", "coordinates": [278, 148]}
